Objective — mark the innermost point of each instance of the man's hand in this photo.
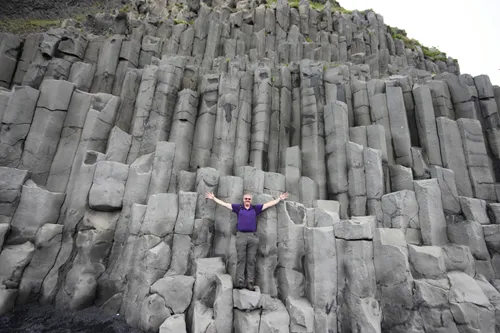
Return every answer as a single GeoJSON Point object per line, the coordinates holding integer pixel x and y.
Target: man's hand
{"type": "Point", "coordinates": [209, 195]}
{"type": "Point", "coordinates": [283, 196]}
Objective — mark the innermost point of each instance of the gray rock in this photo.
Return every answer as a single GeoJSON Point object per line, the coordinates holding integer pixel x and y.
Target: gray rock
{"type": "Point", "coordinates": [357, 183]}
{"type": "Point", "coordinates": [162, 167]}
{"type": "Point", "coordinates": [16, 124]}
{"type": "Point", "coordinates": [360, 227]}
{"type": "Point", "coordinates": [492, 237]}
{"type": "Point", "coordinates": [153, 313]}
{"type": "Point", "coordinates": [452, 154]}
{"type": "Point", "coordinates": [469, 233]}
{"type": "Point", "coordinates": [427, 261]}
{"type": "Point", "coordinates": [185, 218]}
{"type": "Point", "coordinates": [10, 46]}
{"type": "Point", "coordinates": [118, 145]}
{"type": "Point", "coordinates": [176, 290]}
{"type": "Point", "coordinates": [13, 260]}
{"type": "Point", "coordinates": [301, 314]}
{"type": "Point", "coordinates": [161, 214]}
{"type": "Point", "coordinates": [449, 194]}
{"type": "Point", "coordinates": [108, 187]}
{"type": "Point", "coordinates": [459, 258]}
{"type": "Point", "coordinates": [399, 126]}
{"type": "Point", "coordinates": [430, 214]}
{"type": "Point", "coordinates": [174, 324]}
{"type": "Point", "coordinates": [48, 242]}
{"type": "Point", "coordinates": [401, 178]}
{"type": "Point", "coordinates": [474, 210]}
{"type": "Point", "coordinates": [401, 210]}
{"type": "Point", "coordinates": [477, 160]}
{"type": "Point", "coordinates": [223, 303]}
{"type": "Point", "coordinates": [246, 321]}
{"type": "Point", "coordinates": [11, 182]}
{"type": "Point", "coordinates": [36, 208]}
{"type": "Point", "coordinates": [274, 316]}
{"type": "Point", "coordinates": [245, 299]}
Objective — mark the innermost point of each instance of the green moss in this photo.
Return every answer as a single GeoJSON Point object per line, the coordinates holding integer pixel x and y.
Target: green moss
{"type": "Point", "coordinates": [341, 10]}
{"type": "Point", "coordinates": [21, 26]}
{"type": "Point", "coordinates": [177, 21]}
{"type": "Point", "coordinates": [293, 4]}
{"type": "Point", "coordinates": [308, 39]}
{"type": "Point", "coordinates": [125, 9]}
{"type": "Point", "coordinates": [317, 6]}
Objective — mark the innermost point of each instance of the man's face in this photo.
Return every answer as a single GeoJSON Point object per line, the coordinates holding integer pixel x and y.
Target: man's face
{"type": "Point", "coordinates": [247, 200]}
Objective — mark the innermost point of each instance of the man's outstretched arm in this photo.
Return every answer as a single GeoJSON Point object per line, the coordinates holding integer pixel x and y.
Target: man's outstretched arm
{"type": "Point", "coordinates": [210, 195]}
{"type": "Point", "coordinates": [271, 203]}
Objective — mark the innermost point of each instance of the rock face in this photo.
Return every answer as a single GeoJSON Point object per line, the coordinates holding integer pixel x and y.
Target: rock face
{"type": "Point", "coordinates": [108, 145]}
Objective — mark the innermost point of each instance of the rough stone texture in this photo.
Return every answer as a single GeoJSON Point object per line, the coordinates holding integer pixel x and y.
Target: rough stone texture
{"type": "Point", "coordinates": [256, 98]}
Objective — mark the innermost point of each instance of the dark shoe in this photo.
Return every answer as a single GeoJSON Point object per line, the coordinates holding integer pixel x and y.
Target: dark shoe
{"type": "Point", "coordinates": [240, 285]}
{"type": "Point", "coordinates": [251, 286]}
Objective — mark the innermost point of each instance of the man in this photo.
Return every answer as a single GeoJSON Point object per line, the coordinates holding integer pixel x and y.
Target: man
{"type": "Point", "coordinates": [247, 240]}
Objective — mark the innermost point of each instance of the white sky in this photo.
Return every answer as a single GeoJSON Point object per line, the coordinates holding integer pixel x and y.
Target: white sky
{"type": "Point", "coordinates": [466, 30]}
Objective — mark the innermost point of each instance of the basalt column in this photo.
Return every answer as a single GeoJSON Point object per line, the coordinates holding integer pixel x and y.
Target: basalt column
{"type": "Point", "coordinates": [312, 129]}
{"type": "Point", "coordinates": [226, 121]}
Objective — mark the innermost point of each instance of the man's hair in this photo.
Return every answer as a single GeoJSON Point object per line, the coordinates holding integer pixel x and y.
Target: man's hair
{"type": "Point", "coordinates": [247, 194]}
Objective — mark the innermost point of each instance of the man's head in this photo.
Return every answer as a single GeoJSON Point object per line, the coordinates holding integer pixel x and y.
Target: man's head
{"type": "Point", "coordinates": [247, 200]}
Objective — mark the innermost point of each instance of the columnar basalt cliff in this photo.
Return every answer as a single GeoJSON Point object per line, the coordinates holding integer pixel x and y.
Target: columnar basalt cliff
{"type": "Point", "coordinates": [109, 141]}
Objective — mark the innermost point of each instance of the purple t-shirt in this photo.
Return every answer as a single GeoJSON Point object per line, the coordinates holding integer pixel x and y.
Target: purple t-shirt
{"type": "Point", "coordinates": [247, 218]}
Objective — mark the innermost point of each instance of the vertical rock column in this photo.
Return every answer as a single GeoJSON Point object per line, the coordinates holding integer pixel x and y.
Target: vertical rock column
{"type": "Point", "coordinates": [312, 127]}
{"type": "Point", "coordinates": [207, 180]}
{"type": "Point", "coordinates": [426, 124]}
{"type": "Point", "coordinates": [261, 117]}
{"type": "Point", "coordinates": [292, 171]}
{"type": "Point", "coordinates": [183, 127]}
{"type": "Point", "coordinates": [128, 95]}
{"type": "Point", "coordinates": [321, 276]}
{"type": "Point", "coordinates": [10, 49]}
{"type": "Point", "coordinates": [205, 123]}
{"type": "Point", "coordinates": [30, 48]}
{"type": "Point", "coordinates": [357, 179]}
{"type": "Point", "coordinates": [43, 138]}
{"type": "Point", "coordinates": [128, 59]}
{"type": "Point", "coordinates": [226, 121]}
{"type": "Point", "coordinates": [143, 105]}
{"type": "Point", "coordinates": [394, 280]}
{"type": "Point", "coordinates": [337, 136]}
{"type": "Point", "coordinates": [374, 177]}
{"type": "Point", "coordinates": [159, 121]}
{"type": "Point", "coordinates": [244, 125]}
{"type": "Point", "coordinates": [125, 236]}
{"type": "Point", "coordinates": [399, 126]}
{"type": "Point", "coordinates": [60, 168]}
{"type": "Point", "coordinates": [476, 158]}
{"type": "Point", "coordinates": [15, 124]}
{"type": "Point", "coordinates": [452, 154]}
{"type": "Point", "coordinates": [11, 181]}
{"type": "Point", "coordinates": [285, 112]}
{"type": "Point", "coordinates": [379, 114]}
{"type": "Point", "coordinates": [106, 66]}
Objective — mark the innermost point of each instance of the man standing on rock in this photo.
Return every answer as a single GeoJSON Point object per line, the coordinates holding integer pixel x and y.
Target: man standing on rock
{"type": "Point", "coordinates": [247, 239]}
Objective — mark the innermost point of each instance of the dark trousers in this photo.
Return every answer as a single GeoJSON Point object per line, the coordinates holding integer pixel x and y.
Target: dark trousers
{"type": "Point", "coordinates": [246, 248]}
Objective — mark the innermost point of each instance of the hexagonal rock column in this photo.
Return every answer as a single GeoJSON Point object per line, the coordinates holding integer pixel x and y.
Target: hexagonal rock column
{"type": "Point", "coordinates": [449, 194]}
{"type": "Point", "coordinates": [399, 126]}
{"type": "Point", "coordinates": [337, 136]}
{"type": "Point", "coordinates": [292, 170]}
{"type": "Point", "coordinates": [392, 273]}
{"type": "Point", "coordinates": [291, 250]}
{"type": "Point", "coordinates": [129, 90]}
{"type": "Point", "coordinates": [106, 66]}
{"type": "Point", "coordinates": [48, 243]}
{"type": "Point", "coordinates": [143, 105]}
{"type": "Point", "coordinates": [15, 124]}
{"type": "Point", "coordinates": [226, 121]}
{"type": "Point", "coordinates": [11, 182]}
{"type": "Point", "coordinates": [106, 193]}
{"type": "Point", "coordinates": [60, 168]}
{"type": "Point", "coordinates": [261, 116]}
{"type": "Point", "coordinates": [244, 124]}
{"type": "Point", "coordinates": [182, 132]}
{"type": "Point", "coordinates": [452, 154]}
{"type": "Point", "coordinates": [10, 46]}
{"type": "Point", "coordinates": [159, 121]}
{"type": "Point", "coordinates": [321, 276]}
{"type": "Point", "coordinates": [374, 177]}
{"type": "Point", "coordinates": [357, 180]}
{"type": "Point", "coordinates": [162, 168]}
{"type": "Point", "coordinates": [36, 208]}
{"type": "Point", "coordinates": [476, 157]}
{"type": "Point", "coordinates": [205, 122]}
{"type": "Point", "coordinates": [312, 125]}
{"type": "Point", "coordinates": [430, 213]}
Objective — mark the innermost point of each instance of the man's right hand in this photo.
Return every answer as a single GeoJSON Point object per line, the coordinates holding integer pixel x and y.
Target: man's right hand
{"type": "Point", "coordinates": [209, 195]}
